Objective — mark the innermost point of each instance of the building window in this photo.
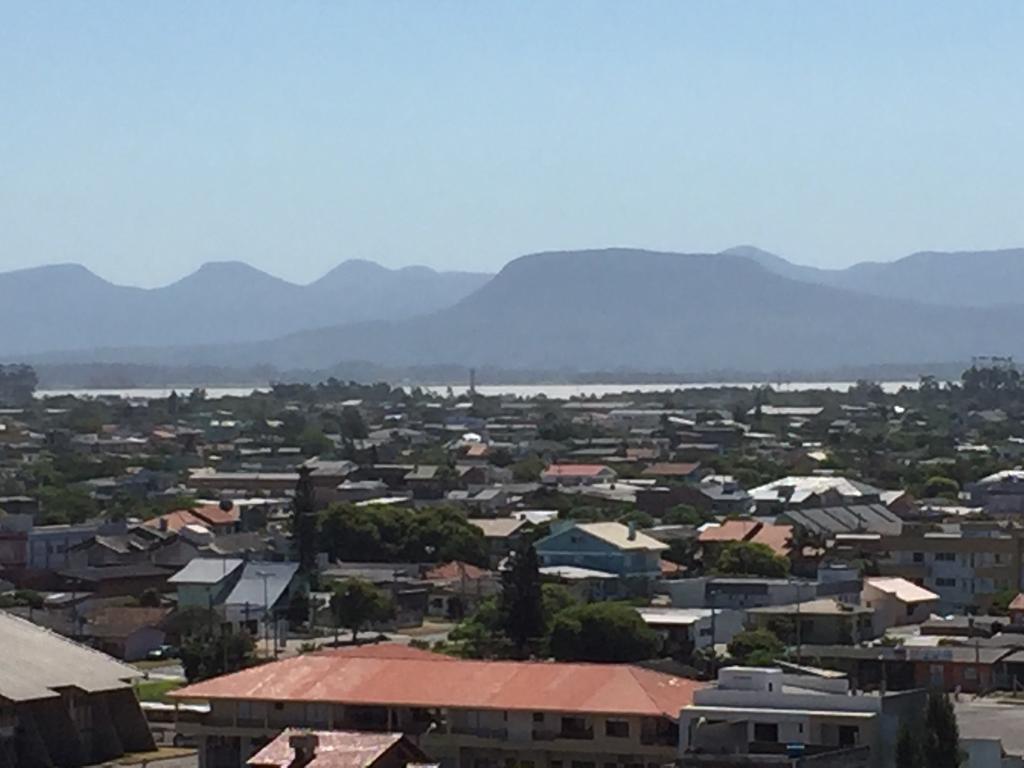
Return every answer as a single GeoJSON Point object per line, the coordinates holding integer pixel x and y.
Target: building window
{"type": "Point", "coordinates": [849, 735]}
{"type": "Point", "coordinates": [919, 557]}
{"type": "Point", "coordinates": [618, 729]}
{"type": "Point", "coordinates": [945, 557]}
{"type": "Point", "coordinates": [767, 732]}
{"type": "Point", "coordinates": [970, 673]}
{"type": "Point", "coordinates": [941, 582]}
{"type": "Point", "coordinates": [538, 717]}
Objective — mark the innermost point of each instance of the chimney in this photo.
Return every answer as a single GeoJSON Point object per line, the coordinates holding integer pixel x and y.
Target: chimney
{"type": "Point", "coordinates": [303, 744]}
{"type": "Point", "coordinates": [632, 531]}
{"type": "Point", "coordinates": [162, 525]}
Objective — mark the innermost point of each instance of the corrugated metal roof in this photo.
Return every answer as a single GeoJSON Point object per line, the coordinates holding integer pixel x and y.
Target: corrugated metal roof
{"type": "Point", "coordinates": [34, 661]}
{"type": "Point", "coordinates": [262, 583]}
{"type": "Point", "coordinates": [432, 681]}
{"type": "Point", "coordinates": [206, 570]}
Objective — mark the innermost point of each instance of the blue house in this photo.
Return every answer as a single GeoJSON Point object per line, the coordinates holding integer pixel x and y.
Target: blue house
{"type": "Point", "coordinates": [609, 547]}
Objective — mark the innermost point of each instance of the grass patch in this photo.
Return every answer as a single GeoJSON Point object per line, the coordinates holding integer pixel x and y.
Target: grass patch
{"type": "Point", "coordinates": [156, 690]}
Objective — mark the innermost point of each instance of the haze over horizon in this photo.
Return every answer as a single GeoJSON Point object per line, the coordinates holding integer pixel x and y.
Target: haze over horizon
{"type": "Point", "coordinates": [142, 142]}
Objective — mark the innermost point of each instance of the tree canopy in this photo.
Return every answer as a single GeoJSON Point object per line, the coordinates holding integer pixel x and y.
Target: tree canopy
{"type": "Point", "coordinates": [755, 648]}
{"type": "Point", "coordinates": [602, 632]}
{"type": "Point", "coordinates": [749, 558]}
{"type": "Point", "coordinates": [356, 604]}
{"type": "Point", "coordinates": [391, 534]}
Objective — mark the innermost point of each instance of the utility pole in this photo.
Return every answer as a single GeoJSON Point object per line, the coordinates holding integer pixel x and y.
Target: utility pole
{"type": "Point", "coordinates": [266, 610]}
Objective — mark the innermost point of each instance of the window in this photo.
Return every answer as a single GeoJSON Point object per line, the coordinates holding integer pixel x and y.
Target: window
{"type": "Point", "coordinates": [279, 705]}
{"type": "Point", "coordinates": [945, 557]}
{"type": "Point", "coordinates": [768, 732]}
{"type": "Point", "coordinates": [910, 609]}
{"type": "Point", "coordinates": [538, 717]}
{"type": "Point", "coordinates": [618, 729]}
{"type": "Point", "coordinates": [970, 673]}
{"type": "Point", "coordinates": [919, 557]}
{"type": "Point", "coordinates": [849, 735]}
{"type": "Point", "coordinates": [940, 582]}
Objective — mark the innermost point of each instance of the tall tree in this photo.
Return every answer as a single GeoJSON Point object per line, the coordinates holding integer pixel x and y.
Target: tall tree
{"type": "Point", "coordinates": [522, 599]}
{"type": "Point", "coordinates": [304, 522]}
{"type": "Point", "coordinates": [357, 603]}
{"type": "Point", "coordinates": [941, 748]}
{"type": "Point", "coordinates": [908, 749]}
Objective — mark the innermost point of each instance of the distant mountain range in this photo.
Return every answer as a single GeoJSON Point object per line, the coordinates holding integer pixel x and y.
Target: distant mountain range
{"type": "Point", "coordinates": [634, 310]}
{"type": "Point", "coordinates": [609, 310]}
{"type": "Point", "coordinates": [68, 308]}
{"type": "Point", "coordinates": [965, 278]}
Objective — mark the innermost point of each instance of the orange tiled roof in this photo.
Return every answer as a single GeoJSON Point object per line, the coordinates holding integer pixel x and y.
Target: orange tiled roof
{"type": "Point", "coordinates": [730, 530]}
{"type": "Point", "coordinates": [575, 470]}
{"type": "Point", "coordinates": [176, 520]}
{"type": "Point", "coordinates": [214, 515]}
{"type": "Point", "coordinates": [428, 681]}
{"type": "Point", "coordinates": [455, 571]}
{"type": "Point", "coordinates": [775, 536]}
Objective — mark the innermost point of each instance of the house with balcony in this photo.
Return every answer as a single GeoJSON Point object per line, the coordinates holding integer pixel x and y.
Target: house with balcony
{"type": "Point", "coordinates": [464, 714]}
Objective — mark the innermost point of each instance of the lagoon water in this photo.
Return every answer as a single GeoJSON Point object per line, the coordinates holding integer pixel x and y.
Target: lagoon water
{"type": "Point", "coordinates": [551, 391]}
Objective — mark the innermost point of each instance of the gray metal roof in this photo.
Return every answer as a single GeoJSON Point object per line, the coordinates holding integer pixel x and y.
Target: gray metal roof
{"type": "Point", "coordinates": [35, 661]}
{"type": "Point", "coordinates": [855, 518]}
{"type": "Point", "coordinates": [250, 587]}
{"type": "Point", "coordinates": [206, 570]}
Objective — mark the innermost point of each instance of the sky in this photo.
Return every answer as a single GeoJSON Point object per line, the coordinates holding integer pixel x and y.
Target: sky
{"type": "Point", "coordinates": [144, 139]}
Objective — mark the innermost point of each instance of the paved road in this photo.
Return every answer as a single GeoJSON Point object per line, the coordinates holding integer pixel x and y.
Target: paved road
{"type": "Point", "coordinates": [990, 720]}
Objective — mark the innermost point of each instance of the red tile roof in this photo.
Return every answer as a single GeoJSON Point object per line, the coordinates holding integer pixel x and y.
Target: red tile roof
{"type": "Point", "coordinates": [576, 470]}
{"type": "Point", "coordinates": [214, 515]}
{"type": "Point", "coordinates": [456, 571]}
{"type": "Point", "coordinates": [334, 749]}
{"type": "Point", "coordinates": [428, 681]}
{"type": "Point", "coordinates": [730, 530]}
{"type": "Point", "coordinates": [176, 520]}
{"type": "Point", "coordinates": [775, 536]}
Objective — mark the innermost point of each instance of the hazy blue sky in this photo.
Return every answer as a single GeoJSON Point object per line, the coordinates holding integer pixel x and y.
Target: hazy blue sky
{"type": "Point", "coordinates": [144, 138]}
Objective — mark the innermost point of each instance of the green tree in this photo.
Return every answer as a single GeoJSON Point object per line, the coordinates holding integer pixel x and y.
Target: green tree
{"type": "Point", "coordinates": [150, 598]}
{"type": "Point", "coordinates": [528, 470]}
{"type": "Point", "coordinates": [207, 653]}
{"type": "Point", "coordinates": [357, 603]}
{"type": "Point", "coordinates": [941, 747]}
{"type": "Point", "coordinates": [749, 558]}
{"type": "Point", "coordinates": [352, 425]}
{"type": "Point", "coordinates": [304, 524]}
{"type": "Point", "coordinates": [602, 632]}
{"type": "Point", "coordinates": [521, 605]}
{"type": "Point", "coordinates": [908, 749]}
{"type": "Point", "coordinates": [939, 486]}
{"type": "Point", "coordinates": [755, 648]}
{"type": "Point", "coordinates": [682, 514]}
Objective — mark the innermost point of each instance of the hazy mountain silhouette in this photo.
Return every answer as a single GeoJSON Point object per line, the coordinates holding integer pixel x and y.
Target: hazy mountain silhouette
{"type": "Point", "coordinates": [622, 309]}
{"type": "Point", "coordinates": [962, 278]}
{"type": "Point", "coordinates": [67, 307]}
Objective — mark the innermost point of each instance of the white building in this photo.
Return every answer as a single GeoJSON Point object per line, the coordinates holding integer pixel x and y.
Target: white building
{"type": "Point", "coordinates": [765, 711]}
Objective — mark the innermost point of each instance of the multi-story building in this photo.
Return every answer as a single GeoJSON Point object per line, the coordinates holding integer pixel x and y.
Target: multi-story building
{"type": "Point", "coordinates": [757, 716]}
{"type": "Point", "coordinates": [465, 714]}
{"type": "Point", "coordinates": [965, 564]}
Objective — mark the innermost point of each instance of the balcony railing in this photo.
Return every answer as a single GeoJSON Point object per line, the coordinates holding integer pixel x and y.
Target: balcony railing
{"type": "Point", "coordinates": [481, 733]}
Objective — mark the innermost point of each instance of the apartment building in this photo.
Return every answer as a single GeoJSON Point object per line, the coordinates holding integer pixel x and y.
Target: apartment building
{"type": "Point", "coordinates": [759, 716]}
{"type": "Point", "coordinates": [965, 564]}
{"type": "Point", "coordinates": [464, 714]}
